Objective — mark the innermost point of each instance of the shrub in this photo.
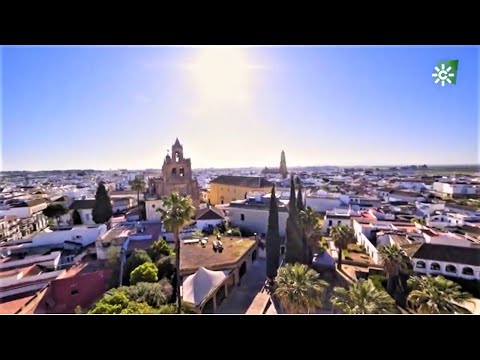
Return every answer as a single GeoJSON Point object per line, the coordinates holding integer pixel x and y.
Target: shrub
{"type": "Point", "coordinates": [166, 267]}
{"type": "Point", "coordinates": [158, 249]}
{"type": "Point", "coordinates": [378, 281]}
{"type": "Point", "coordinates": [139, 257]}
{"type": "Point", "coordinates": [146, 272]}
{"type": "Point", "coordinates": [197, 234]}
{"type": "Point", "coordinates": [234, 232]}
{"type": "Point", "coordinates": [154, 294]}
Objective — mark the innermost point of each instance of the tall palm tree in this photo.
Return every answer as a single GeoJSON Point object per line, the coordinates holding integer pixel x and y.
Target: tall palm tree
{"type": "Point", "coordinates": [395, 262]}
{"type": "Point", "coordinates": [176, 212]}
{"type": "Point", "coordinates": [363, 297]}
{"type": "Point", "coordinates": [138, 185]}
{"type": "Point", "coordinates": [309, 220]}
{"type": "Point", "coordinates": [342, 235]}
{"type": "Point", "coordinates": [299, 288]}
{"type": "Point", "coordinates": [436, 295]}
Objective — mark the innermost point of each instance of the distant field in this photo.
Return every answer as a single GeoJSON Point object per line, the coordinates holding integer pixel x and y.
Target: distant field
{"type": "Point", "coordinates": [446, 170]}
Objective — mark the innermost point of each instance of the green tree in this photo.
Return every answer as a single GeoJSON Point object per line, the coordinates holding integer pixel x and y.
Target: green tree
{"type": "Point", "coordinates": [395, 262]}
{"type": "Point", "coordinates": [55, 211]}
{"type": "Point", "coordinates": [176, 212]}
{"type": "Point", "coordinates": [342, 235]}
{"type": "Point", "coordinates": [166, 267]}
{"type": "Point", "coordinates": [147, 272]}
{"type": "Point", "coordinates": [300, 204]}
{"type": "Point", "coordinates": [114, 263]}
{"type": "Point", "coordinates": [153, 294]}
{"type": "Point", "coordinates": [273, 238]}
{"type": "Point", "coordinates": [158, 249]}
{"type": "Point", "coordinates": [139, 257]}
{"type": "Point", "coordinates": [139, 308]}
{"type": "Point", "coordinates": [294, 244]}
{"type": "Point", "coordinates": [309, 221]}
{"type": "Point", "coordinates": [197, 234]}
{"type": "Point", "coordinates": [363, 297]}
{"type": "Point", "coordinates": [436, 295]}
{"type": "Point", "coordinates": [299, 288]}
{"type": "Point", "coordinates": [102, 208]}
{"type": "Point", "coordinates": [111, 303]}
{"type": "Point", "coordinates": [138, 185]}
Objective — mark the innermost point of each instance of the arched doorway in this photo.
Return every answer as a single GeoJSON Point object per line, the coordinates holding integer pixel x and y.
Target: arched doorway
{"type": "Point", "coordinates": [243, 269]}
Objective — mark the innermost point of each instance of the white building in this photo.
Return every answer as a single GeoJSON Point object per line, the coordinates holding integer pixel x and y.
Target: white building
{"type": "Point", "coordinates": [151, 207]}
{"type": "Point", "coordinates": [209, 218]}
{"type": "Point", "coordinates": [323, 202]}
{"type": "Point", "coordinates": [450, 189]}
{"type": "Point", "coordinates": [252, 214]}
{"type": "Point", "coordinates": [84, 235]}
{"type": "Point", "coordinates": [454, 261]}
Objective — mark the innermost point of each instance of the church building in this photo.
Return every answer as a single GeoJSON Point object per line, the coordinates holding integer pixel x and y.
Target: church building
{"type": "Point", "coordinates": [176, 176]}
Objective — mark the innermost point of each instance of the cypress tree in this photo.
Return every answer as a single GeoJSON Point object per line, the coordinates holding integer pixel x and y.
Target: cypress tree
{"type": "Point", "coordinates": [300, 205]}
{"type": "Point", "coordinates": [273, 238]}
{"type": "Point", "coordinates": [102, 208]}
{"type": "Point", "coordinates": [294, 249]}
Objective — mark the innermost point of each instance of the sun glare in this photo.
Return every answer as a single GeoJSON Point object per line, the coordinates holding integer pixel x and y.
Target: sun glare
{"type": "Point", "coordinates": [221, 74]}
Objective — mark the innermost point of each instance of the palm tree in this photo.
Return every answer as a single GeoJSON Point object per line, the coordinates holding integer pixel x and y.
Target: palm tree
{"type": "Point", "coordinates": [138, 185]}
{"type": "Point", "coordinates": [299, 288]}
{"type": "Point", "coordinates": [309, 220]}
{"type": "Point", "coordinates": [395, 262]}
{"type": "Point", "coordinates": [176, 212]}
{"type": "Point", "coordinates": [342, 235]}
{"type": "Point", "coordinates": [436, 295]}
{"type": "Point", "coordinates": [363, 297]}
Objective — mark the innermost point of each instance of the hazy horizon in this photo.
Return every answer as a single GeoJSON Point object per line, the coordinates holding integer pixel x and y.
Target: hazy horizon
{"type": "Point", "coordinates": [113, 107]}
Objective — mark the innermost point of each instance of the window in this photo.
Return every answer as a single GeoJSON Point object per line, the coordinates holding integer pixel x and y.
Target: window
{"type": "Point", "coordinates": [242, 217]}
{"type": "Point", "coordinates": [339, 222]}
{"type": "Point", "coordinates": [451, 269]}
{"type": "Point", "coordinates": [177, 156]}
{"type": "Point", "coordinates": [182, 172]}
{"type": "Point", "coordinates": [467, 271]}
{"type": "Point", "coordinates": [420, 265]}
{"type": "Point", "coordinates": [153, 206]}
{"type": "Point", "coordinates": [74, 292]}
{"type": "Point", "coordinates": [174, 172]}
{"type": "Point", "coordinates": [435, 267]}
{"type": "Point", "coordinates": [330, 223]}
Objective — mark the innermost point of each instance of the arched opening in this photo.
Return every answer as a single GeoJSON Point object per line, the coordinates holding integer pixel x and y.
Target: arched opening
{"type": "Point", "coordinates": [254, 255]}
{"type": "Point", "coordinates": [420, 265]}
{"type": "Point", "coordinates": [467, 271]}
{"type": "Point", "coordinates": [220, 296]}
{"type": "Point", "coordinates": [221, 199]}
{"type": "Point", "coordinates": [208, 308]}
{"type": "Point", "coordinates": [177, 156]}
{"type": "Point", "coordinates": [174, 171]}
{"type": "Point", "coordinates": [435, 266]}
{"type": "Point", "coordinates": [182, 172]}
{"type": "Point", "coordinates": [243, 269]}
{"type": "Point", "coordinates": [450, 269]}
{"type": "Point", "coordinates": [242, 217]}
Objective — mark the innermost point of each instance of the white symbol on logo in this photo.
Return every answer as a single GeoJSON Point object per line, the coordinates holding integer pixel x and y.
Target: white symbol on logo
{"type": "Point", "coordinates": [443, 75]}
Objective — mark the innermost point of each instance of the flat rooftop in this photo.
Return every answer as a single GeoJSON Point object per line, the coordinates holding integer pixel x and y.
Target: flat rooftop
{"type": "Point", "coordinates": [193, 256]}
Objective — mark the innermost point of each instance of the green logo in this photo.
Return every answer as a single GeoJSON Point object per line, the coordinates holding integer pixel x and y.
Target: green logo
{"type": "Point", "coordinates": [446, 71]}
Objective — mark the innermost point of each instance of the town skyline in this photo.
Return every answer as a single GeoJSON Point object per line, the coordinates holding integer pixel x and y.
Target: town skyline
{"type": "Point", "coordinates": [236, 107]}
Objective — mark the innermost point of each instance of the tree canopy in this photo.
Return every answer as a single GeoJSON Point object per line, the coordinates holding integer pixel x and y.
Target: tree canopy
{"type": "Point", "coordinates": [146, 272]}
{"type": "Point", "coordinates": [102, 208]}
{"type": "Point", "coordinates": [138, 258]}
{"type": "Point", "coordinates": [158, 249]}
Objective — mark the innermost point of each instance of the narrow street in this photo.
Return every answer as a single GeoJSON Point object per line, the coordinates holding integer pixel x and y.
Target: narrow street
{"type": "Point", "coordinates": [242, 296]}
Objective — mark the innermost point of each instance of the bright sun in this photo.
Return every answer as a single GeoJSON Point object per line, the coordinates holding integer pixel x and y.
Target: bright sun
{"type": "Point", "coordinates": [221, 73]}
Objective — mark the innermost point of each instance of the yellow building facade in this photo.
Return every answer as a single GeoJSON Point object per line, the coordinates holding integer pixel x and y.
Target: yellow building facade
{"type": "Point", "coordinates": [225, 188]}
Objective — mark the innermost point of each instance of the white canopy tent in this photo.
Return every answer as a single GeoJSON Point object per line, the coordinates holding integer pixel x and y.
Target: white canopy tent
{"type": "Point", "coordinates": [197, 287]}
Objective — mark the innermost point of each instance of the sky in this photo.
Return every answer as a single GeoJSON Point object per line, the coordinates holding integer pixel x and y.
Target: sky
{"type": "Point", "coordinates": [110, 107]}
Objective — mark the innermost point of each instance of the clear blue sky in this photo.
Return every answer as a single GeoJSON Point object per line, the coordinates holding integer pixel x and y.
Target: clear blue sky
{"type": "Point", "coordinates": [122, 107]}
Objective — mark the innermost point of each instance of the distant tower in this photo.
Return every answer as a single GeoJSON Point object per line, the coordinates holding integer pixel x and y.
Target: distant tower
{"type": "Point", "coordinates": [283, 165]}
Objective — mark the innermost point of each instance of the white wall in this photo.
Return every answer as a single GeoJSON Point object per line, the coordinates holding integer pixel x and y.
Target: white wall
{"type": "Point", "coordinates": [443, 271]}
{"type": "Point", "coordinates": [201, 224]}
{"type": "Point", "coordinates": [323, 204]}
{"type": "Point", "coordinates": [151, 207]}
{"type": "Point", "coordinates": [335, 222]}
{"type": "Point", "coordinates": [256, 220]}
{"type": "Point", "coordinates": [81, 234]}
{"type": "Point", "coordinates": [363, 240]}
